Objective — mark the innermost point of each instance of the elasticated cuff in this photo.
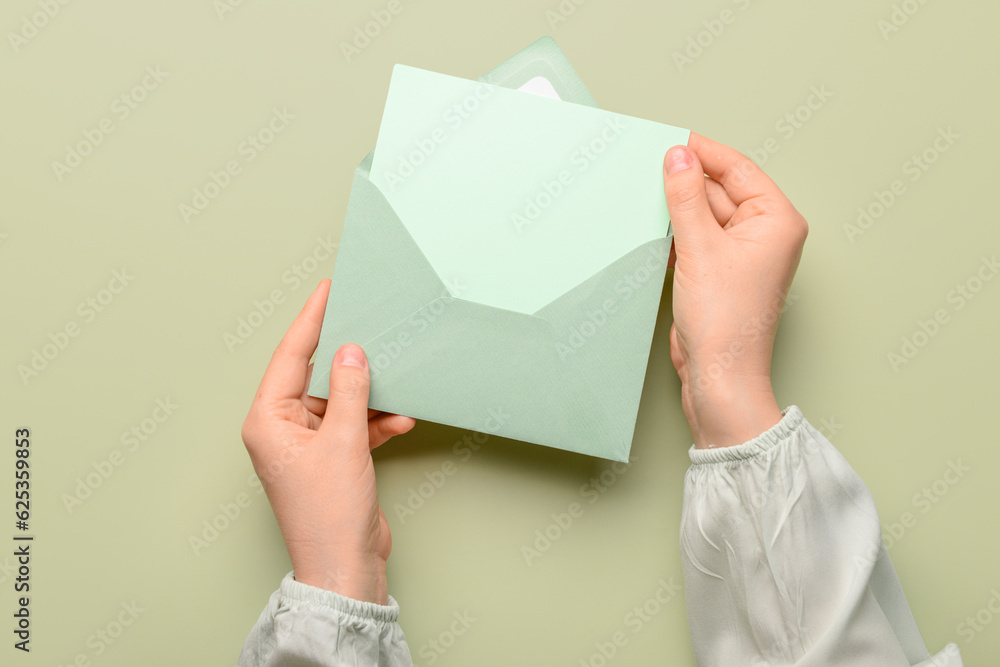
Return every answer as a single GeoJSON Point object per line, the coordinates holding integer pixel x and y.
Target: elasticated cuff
{"type": "Point", "coordinates": [791, 421]}
{"type": "Point", "coordinates": [310, 595]}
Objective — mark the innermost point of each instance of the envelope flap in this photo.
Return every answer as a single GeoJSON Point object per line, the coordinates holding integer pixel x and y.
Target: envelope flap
{"type": "Point", "coordinates": [605, 325]}
{"type": "Point", "coordinates": [570, 376]}
{"type": "Point", "coordinates": [380, 276]}
{"type": "Point", "coordinates": [493, 365]}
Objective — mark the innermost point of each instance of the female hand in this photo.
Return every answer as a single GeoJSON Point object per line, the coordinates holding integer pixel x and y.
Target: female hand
{"type": "Point", "coordinates": [737, 241]}
{"type": "Point", "coordinates": [314, 460]}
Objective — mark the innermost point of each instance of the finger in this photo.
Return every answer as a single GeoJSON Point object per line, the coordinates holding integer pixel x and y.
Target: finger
{"type": "Point", "coordinates": [687, 198]}
{"type": "Point", "coordinates": [347, 407]}
{"type": "Point", "coordinates": [737, 173]}
{"type": "Point", "coordinates": [384, 427]}
{"type": "Point", "coordinates": [286, 373]}
{"type": "Point", "coordinates": [722, 206]}
{"type": "Point", "coordinates": [315, 405]}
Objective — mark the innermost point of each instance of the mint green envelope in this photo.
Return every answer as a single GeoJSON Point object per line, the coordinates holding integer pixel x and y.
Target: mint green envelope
{"type": "Point", "coordinates": [503, 256]}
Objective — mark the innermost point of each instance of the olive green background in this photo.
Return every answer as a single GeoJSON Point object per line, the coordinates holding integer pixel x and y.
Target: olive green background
{"type": "Point", "coordinates": [163, 335]}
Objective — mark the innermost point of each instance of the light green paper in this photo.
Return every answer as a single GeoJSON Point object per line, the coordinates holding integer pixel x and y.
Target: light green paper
{"type": "Point", "coordinates": [568, 376]}
{"type": "Point", "coordinates": [514, 198]}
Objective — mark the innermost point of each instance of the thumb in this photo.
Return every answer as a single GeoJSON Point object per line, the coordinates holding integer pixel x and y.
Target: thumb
{"type": "Point", "coordinates": [347, 407]}
{"type": "Point", "coordinates": [687, 198]}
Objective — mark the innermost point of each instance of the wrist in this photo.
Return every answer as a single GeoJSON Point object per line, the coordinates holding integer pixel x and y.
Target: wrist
{"type": "Point", "coordinates": [362, 580]}
{"type": "Point", "coordinates": [730, 410]}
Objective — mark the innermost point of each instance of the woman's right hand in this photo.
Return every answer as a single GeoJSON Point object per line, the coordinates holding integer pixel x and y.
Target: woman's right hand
{"type": "Point", "coordinates": [737, 241]}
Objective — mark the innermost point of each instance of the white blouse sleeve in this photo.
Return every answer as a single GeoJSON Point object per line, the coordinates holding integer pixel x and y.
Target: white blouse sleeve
{"type": "Point", "coordinates": [305, 625]}
{"type": "Point", "coordinates": [784, 562]}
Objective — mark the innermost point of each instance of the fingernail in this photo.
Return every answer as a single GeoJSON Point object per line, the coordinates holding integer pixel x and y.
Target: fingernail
{"type": "Point", "coordinates": [351, 355]}
{"type": "Point", "coordinates": [679, 158]}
